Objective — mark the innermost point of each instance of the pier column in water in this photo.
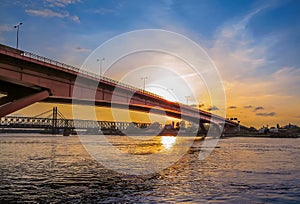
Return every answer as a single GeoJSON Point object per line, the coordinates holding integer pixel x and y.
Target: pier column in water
{"type": "Point", "coordinates": [54, 121]}
{"type": "Point", "coordinates": [201, 130]}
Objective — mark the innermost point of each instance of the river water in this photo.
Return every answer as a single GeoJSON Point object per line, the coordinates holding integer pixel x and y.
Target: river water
{"type": "Point", "coordinates": [56, 169]}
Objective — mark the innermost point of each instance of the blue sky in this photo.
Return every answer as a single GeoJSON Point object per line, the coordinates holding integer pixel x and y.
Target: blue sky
{"type": "Point", "coordinates": [255, 44]}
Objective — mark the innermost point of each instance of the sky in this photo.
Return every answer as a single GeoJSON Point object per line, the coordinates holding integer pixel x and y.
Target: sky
{"type": "Point", "coordinates": [255, 45]}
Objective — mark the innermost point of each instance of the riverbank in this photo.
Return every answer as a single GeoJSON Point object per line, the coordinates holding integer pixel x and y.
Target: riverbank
{"type": "Point", "coordinates": [280, 135]}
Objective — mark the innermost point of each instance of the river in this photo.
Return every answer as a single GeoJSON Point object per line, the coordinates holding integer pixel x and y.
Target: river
{"type": "Point", "coordinates": [56, 169]}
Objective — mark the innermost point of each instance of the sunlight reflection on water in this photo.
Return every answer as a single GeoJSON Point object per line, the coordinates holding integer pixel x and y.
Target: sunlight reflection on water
{"type": "Point", "coordinates": [168, 141]}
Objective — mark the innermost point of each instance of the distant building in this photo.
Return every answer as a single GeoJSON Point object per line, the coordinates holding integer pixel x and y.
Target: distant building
{"type": "Point", "coordinates": [273, 130]}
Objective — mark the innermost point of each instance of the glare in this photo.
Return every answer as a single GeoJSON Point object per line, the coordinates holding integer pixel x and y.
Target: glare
{"type": "Point", "coordinates": [166, 93]}
{"type": "Point", "coordinates": [168, 141]}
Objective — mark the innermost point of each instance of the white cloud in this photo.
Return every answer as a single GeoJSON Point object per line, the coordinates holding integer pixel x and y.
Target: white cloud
{"type": "Point", "coordinates": [249, 76]}
{"type": "Point", "coordinates": [235, 52]}
{"type": "Point", "coordinates": [61, 3]}
{"type": "Point", "coordinates": [286, 80]}
{"type": "Point", "coordinates": [5, 28]}
{"type": "Point", "coordinates": [103, 11]}
{"type": "Point", "coordinates": [81, 49]}
{"type": "Point", "coordinates": [286, 73]}
{"type": "Point", "coordinates": [50, 13]}
{"type": "Point", "coordinates": [75, 19]}
{"type": "Point", "coordinates": [46, 13]}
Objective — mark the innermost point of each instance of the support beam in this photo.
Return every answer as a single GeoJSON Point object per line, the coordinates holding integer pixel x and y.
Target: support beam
{"type": "Point", "coordinates": [23, 102]}
{"type": "Point", "coordinates": [54, 121]}
{"type": "Point", "coordinates": [201, 130]}
{"type": "Point", "coordinates": [4, 100]}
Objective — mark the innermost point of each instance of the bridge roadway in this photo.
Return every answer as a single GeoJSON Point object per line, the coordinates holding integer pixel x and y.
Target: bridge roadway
{"type": "Point", "coordinates": [26, 78]}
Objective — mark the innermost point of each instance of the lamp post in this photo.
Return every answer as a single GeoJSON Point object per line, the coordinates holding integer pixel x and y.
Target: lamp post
{"type": "Point", "coordinates": [100, 65]}
{"type": "Point", "coordinates": [18, 28]}
{"type": "Point", "coordinates": [187, 99]}
{"type": "Point", "coordinates": [144, 78]}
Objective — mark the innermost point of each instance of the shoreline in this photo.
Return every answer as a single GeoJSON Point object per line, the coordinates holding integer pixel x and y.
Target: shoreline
{"type": "Point", "coordinates": [264, 136]}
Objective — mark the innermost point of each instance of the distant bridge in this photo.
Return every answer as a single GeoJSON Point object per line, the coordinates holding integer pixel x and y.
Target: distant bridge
{"type": "Point", "coordinates": [49, 123]}
{"type": "Point", "coordinates": [26, 78]}
{"type": "Point", "coordinates": [56, 122]}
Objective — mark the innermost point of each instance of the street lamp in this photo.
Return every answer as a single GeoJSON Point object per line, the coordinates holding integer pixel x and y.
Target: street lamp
{"type": "Point", "coordinates": [100, 65]}
{"type": "Point", "coordinates": [144, 78]}
{"type": "Point", "coordinates": [18, 27]}
{"type": "Point", "coordinates": [187, 99]}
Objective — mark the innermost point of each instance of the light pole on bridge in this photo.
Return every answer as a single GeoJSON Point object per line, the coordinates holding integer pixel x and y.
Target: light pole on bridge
{"type": "Point", "coordinates": [18, 28]}
{"type": "Point", "coordinates": [144, 78]}
{"type": "Point", "coordinates": [100, 65]}
{"type": "Point", "coordinates": [187, 99]}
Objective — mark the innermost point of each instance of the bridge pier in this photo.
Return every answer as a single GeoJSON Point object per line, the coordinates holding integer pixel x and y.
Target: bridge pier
{"type": "Point", "coordinates": [67, 132]}
{"type": "Point", "coordinates": [54, 121]}
{"type": "Point", "coordinates": [201, 130]}
{"type": "Point", "coordinates": [215, 130]}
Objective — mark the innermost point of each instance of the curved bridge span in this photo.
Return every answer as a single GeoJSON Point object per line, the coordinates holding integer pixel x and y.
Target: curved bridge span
{"type": "Point", "coordinates": [26, 78]}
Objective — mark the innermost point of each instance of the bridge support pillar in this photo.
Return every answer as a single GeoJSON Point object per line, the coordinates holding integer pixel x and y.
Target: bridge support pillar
{"type": "Point", "coordinates": [201, 130]}
{"type": "Point", "coordinates": [23, 102]}
{"type": "Point", "coordinates": [215, 130]}
{"type": "Point", "coordinates": [54, 121]}
{"type": "Point", "coordinates": [67, 132]}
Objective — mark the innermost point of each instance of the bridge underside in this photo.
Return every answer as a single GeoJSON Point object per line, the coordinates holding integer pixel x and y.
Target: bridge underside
{"type": "Point", "coordinates": [133, 107]}
{"type": "Point", "coordinates": [142, 108]}
{"type": "Point", "coordinates": [18, 97]}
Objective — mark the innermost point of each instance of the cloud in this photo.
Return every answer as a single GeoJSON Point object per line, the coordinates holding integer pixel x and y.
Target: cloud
{"type": "Point", "coordinates": [81, 49]}
{"type": "Point", "coordinates": [248, 72]}
{"type": "Point", "coordinates": [286, 80]}
{"type": "Point", "coordinates": [258, 108]}
{"type": "Point", "coordinates": [46, 13]}
{"type": "Point", "coordinates": [75, 19]}
{"type": "Point", "coordinates": [61, 3]}
{"type": "Point", "coordinates": [5, 28]}
{"type": "Point", "coordinates": [213, 108]}
{"type": "Point", "coordinates": [103, 11]}
{"type": "Point", "coordinates": [266, 114]}
{"type": "Point", "coordinates": [236, 52]}
{"type": "Point", "coordinates": [232, 107]}
{"type": "Point", "coordinates": [50, 13]}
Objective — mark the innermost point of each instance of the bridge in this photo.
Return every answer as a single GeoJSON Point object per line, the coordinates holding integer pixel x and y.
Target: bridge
{"type": "Point", "coordinates": [26, 78]}
{"type": "Point", "coordinates": [53, 121]}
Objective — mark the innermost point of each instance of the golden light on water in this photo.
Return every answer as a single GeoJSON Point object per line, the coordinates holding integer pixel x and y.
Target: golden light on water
{"type": "Point", "coordinates": [168, 141]}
